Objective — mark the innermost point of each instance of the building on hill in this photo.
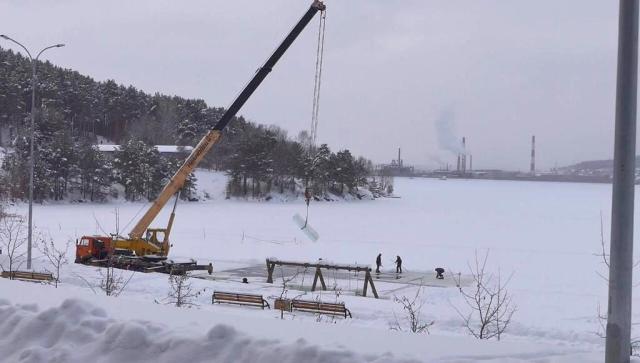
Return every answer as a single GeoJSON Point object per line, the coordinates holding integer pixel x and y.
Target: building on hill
{"type": "Point", "coordinates": [166, 150]}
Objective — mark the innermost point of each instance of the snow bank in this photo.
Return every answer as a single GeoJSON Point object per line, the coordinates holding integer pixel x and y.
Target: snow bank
{"type": "Point", "coordinates": [77, 331]}
{"type": "Point", "coordinates": [40, 323]}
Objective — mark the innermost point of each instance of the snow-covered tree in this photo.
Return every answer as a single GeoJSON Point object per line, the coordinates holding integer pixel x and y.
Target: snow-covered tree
{"type": "Point", "coordinates": [75, 111]}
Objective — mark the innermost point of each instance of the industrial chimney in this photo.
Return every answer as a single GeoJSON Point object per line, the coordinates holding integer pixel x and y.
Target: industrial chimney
{"type": "Point", "coordinates": [533, 154]}
{"type": "Point", "coordinates": [464, 155]}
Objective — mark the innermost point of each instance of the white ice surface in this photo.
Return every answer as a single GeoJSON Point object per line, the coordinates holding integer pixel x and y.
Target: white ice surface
{"type": "Point", "coordinates": [547, 234]}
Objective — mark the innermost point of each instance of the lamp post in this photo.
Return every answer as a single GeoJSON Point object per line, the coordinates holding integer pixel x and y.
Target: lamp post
{"type": "Point", "coordinates": [33, 122]}
{"type": "Point", "coordinates": [618, 347]}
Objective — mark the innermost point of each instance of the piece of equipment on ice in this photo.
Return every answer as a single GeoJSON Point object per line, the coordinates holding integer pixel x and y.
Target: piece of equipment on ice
{"type": "Point", "coordinates": [306, 228]}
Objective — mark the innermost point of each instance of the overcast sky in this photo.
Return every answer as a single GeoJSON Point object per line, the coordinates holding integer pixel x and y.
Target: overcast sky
{"type": "Point", "coordinates": [409, 73]}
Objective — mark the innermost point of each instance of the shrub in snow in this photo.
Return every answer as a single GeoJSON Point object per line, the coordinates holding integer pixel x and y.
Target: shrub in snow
{"type": "Point", "coordinates": [13, 240]}
{"type": "Point", "coordinates": [413, 320]}
{"type": "Point", "coordinates": [57, 257]}
{"type": "Point", "coordinates": [112, 281]}
{"type": "Point", "coordinates": [181, 293]}
{"type": "Point", "coordinates": [489, 304]}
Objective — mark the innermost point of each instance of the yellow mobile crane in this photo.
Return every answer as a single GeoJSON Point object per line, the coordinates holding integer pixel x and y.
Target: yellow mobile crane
{"type": "Point", "coordinates": [146, 248]}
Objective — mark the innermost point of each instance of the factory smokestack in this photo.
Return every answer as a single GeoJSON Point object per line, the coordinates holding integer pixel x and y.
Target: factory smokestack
{"type": "Point", "coordinates": [470, 162]}
{"type": "Point", "coordinates": [464, 155]}
{"type": "Point", "coordinates": [458, 167]}
{"type": "Point", "coordinates": [399, 160]}
{"type": "Point", "coordinates": [533, 154]}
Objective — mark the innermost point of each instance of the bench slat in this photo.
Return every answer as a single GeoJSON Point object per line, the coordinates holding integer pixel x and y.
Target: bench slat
{"type": "Point", "coordinates": [240, 299]}
{"type": "Point", "coordinates": [23, 275]}
{"type": "Point", "coordinates": [320, 308]}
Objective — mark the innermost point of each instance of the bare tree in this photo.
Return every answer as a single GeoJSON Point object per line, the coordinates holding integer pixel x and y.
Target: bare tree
{"type": "Point", "coordinates": [489, 302]}
{"type": "Point", "coordinates": [603, 254]}
{"type": "Point", "coordinates": [13, 238]}
{"type": "Point", "coordinates": [285, 290]}
{"type": "Point", "coordinates": [602, 333]}
{"type": "Point", "coordinates": [56, 257]}
{"type": "Point", "coordinates": [602, 316]}
{"type": "Point", "coordinates": [112, 281]}
{"type": "Point", "coordinates": [413, 320]}
{"type": "Point", "coordinates": [457, 278]}
{"type": "Point", "coordinates": [182, 293]}
{"type": "Point", "coordinates": [334, 292]}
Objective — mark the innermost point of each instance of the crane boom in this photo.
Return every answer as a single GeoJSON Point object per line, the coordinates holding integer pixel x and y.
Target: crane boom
{"type": "Point", "coordinates": [212, 137]}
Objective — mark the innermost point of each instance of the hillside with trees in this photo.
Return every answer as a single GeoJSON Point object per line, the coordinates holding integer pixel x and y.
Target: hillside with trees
{"type": "Point", "coordinates": [76, 112]}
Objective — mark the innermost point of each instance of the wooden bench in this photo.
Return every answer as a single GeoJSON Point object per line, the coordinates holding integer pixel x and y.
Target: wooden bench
{"type": "Point", "coordinates": [240, 299]}
{"type": "Point", "coordinates": [27, 275]}
{"type": "Point", "coordinates": [320, 307]}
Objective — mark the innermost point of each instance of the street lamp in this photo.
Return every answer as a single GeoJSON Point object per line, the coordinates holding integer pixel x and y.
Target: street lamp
{"type": "Point", "coordinates": [33, 121]}
{"type": "Point", "coordinates": [618, 343]}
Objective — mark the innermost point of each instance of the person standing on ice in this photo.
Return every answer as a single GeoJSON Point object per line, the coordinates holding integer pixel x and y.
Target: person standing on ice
{"type": "Point", "coordinates": [378, 262]}
{"type": "Point", "coordinates": [398, 265]}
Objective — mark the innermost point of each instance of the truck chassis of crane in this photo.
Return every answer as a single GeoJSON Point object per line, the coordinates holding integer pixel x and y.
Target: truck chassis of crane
{"type": "Point", "coordinates": [141, 264]}
{"type": "Point", "coordinates": [102, 251]}
{"type": "Point", "coordinates": [145, 264]}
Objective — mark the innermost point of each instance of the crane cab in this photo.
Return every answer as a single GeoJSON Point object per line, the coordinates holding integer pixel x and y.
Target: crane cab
{"type": "Point", "coordinates": [93, 247]}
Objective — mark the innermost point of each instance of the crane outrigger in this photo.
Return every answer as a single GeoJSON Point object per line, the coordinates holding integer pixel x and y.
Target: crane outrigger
{"type": "Point", "coordinates": [145, 248]}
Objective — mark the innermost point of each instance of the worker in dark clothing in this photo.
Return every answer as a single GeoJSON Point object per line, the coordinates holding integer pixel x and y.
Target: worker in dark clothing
{"type": "Point", "coordinates": [378, 262]}
{"type": "Point", "coordinates": [210, 268]}
{"type": "Point", "coordinates": [439, 273]}
{"type": "Point", "coordinates": [398, 265]}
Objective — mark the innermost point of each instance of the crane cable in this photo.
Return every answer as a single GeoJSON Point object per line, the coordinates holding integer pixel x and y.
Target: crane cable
{"type": "Point", "coordinates": [318, 78]}
{"type": "Point", "coordinates": [316, 100]}
{"type": "Point", "coordinates": [307, 199]}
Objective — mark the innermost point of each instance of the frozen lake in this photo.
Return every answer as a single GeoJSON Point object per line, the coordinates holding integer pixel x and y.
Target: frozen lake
{"type": "Point", "coordinates": [546, 234]}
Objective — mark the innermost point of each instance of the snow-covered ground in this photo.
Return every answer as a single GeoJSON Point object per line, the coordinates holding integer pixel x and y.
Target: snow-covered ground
{"type": "Point", "coordinates": [546, 234]}
{"type": "Point", "coordinates": [42, 324]}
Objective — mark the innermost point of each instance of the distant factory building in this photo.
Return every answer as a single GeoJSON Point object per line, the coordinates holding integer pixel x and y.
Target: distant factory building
{"type": "Point", "coordinates": [397, 167]}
